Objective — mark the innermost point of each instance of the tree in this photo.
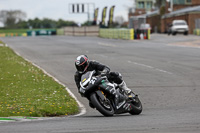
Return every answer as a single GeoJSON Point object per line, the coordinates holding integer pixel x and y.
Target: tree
{"type": "Point", "coordinates": [12, 17]}
{"type": "Point", "coordinates": [62, 23]}
{"type": "Point", "coordinates": [22, 25]}
{"type": "Point", "coordinates": [15, 19]}
{"type": "Point", "coordinates": [48, 23]}
{"type": "Point", "coordinates": [86, 23]}
{"type": "Point", "coordinates": [35, 23]}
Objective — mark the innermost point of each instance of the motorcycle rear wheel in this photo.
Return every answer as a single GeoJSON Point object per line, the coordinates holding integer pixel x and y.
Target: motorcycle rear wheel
{"type": "Point", "coordinates": [104, 107]}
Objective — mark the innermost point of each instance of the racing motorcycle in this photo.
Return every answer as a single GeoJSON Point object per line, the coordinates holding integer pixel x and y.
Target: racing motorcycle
{"type": "Point", "coordinates": [107, 97]}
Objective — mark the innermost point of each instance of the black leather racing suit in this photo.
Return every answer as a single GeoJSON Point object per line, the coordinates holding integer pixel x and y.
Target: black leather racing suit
{"type": "Point", "coordinates": [99, 68]}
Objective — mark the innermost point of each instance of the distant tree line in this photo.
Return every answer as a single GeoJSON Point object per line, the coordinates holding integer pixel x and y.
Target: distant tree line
{"type": "Point", "coordinates": [15, 19]}
{"type": "Point", "coordinates": [45, 23]}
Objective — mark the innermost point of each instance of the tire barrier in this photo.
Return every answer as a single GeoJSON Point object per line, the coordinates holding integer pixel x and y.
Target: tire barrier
{"type": "Point", "coordinates": [12, 34]}
{"type": "Point", "coordinates": [126, 34]}
{"type": "Point", "coordinates": [196, 32]}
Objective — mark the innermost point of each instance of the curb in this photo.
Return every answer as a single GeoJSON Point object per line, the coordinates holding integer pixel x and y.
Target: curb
{"type": "Point", "coordinates": [17, 118]}
{"type": "Point", "coordinates": [6, 119]}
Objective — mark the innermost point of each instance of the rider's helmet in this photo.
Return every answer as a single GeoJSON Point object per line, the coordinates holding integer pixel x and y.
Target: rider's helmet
{"type": "Point", "coordinates": [82, 63]}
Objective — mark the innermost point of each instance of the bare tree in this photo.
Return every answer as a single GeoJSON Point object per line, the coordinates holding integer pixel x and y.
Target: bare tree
{"type": "Point", "coordinates": [10, 18]}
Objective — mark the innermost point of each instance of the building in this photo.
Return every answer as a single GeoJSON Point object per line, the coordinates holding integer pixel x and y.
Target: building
{"type": "Point", "coordinates": [179, 4]}
{"type": "Point", "coordinates": [148, 5]}
{"type": "Point", "coordinates": [143, 6]}
{"type": "Point", "coordinates": [188, 10]}
{"type": "Point", "coordinates": [190, 14]}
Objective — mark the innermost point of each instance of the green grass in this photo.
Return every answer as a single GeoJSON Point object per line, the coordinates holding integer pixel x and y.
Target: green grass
{"type": "Point", "coordinates": [1, 43]}
{"type": "Point", "coordinates": [16, 30]}
{"type": "Point", "coordinates": [26, 91]}
{"type": "Point", "coordinates": [13, 30]}
{"type": "Point", "coordinates": [6, 119]}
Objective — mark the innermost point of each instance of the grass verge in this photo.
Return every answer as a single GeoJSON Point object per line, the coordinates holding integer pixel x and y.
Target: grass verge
{"type": "Point", "coordinates": [13, 30]}
{"type": "Point", "coordinates": [18, 30]}
{"type": "Point", "coordinates": [26, 91]}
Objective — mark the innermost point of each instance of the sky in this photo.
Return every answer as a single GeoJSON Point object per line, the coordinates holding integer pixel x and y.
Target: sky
{"type": "Point", "coordinates": [56, 9]}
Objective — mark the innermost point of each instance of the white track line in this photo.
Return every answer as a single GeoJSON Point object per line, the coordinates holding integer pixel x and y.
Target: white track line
{"type": "Point", "coordinates": [151, 67]}
{"type": "Point", "coordinates": [106, 44]}
{"type": "Point", "coordinates": [81, 106]}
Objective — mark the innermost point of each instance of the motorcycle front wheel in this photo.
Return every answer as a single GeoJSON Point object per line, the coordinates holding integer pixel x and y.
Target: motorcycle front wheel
{"type": "Point", "coordinates": [136, 106]}
{"type": "Point", "coordinates": [103, 106]}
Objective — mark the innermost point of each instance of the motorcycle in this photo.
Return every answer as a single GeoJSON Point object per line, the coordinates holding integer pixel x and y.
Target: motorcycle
{"type": "Point", "coordinates": [107, 97]}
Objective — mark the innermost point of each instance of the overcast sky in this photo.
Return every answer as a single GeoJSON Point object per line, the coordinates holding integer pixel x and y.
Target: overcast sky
{"type": "Point", "coordinates": [56, 9]}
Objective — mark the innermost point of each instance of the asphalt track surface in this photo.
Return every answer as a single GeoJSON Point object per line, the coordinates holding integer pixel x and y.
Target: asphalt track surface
{"type": "Point", "coordinates": [164, 71]}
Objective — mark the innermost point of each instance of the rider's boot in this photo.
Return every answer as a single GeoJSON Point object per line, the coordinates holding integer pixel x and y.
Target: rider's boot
{"type": "Point", "coordinates": [123, 86]}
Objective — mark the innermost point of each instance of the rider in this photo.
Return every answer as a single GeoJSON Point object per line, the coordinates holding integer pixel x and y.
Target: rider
{"type": "Point", "coordinates": [83, 64]}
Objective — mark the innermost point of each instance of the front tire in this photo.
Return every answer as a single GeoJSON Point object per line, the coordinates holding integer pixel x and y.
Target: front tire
{"type": "Point", "coordinates": [136, 106]}
{"type": "Point", "coordinates": [106, 110]}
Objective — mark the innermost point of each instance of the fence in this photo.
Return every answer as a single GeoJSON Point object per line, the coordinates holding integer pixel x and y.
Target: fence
{"type": "Point", "coordinates": [27, 32]}
{"type": "Point", "coordinates": [41, 32]}
{"type": "Point", "coordinates": [80, 31]}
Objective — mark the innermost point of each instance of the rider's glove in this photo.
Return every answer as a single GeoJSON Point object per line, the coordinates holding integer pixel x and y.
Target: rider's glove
{"type": "Point", "coordinates": [105, 72]}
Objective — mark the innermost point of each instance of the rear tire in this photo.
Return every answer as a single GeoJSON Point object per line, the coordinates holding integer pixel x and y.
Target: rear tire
{"type": "Point", "coordinates": [106, 111]}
